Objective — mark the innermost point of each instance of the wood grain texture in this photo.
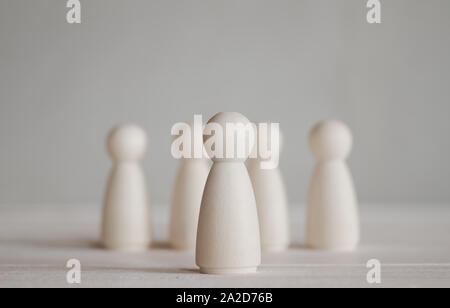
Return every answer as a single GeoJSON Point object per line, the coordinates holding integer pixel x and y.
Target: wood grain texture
{"type": "Point", "coordinates": [411, 241]}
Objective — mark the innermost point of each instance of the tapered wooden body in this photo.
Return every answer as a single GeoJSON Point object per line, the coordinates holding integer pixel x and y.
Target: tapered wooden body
{"type": "Point", "coordinates": [228, 238]}
{"type": "Point", "coordinates": [272, 206]}
{"type": "Point", "coordinates": [186, 200]}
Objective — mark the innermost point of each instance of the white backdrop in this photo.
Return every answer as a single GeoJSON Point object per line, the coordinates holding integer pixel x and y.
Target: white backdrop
{"type": "Point", "coordinates": [157, 62]}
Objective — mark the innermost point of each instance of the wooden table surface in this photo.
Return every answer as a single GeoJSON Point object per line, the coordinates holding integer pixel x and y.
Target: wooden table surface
{"type": "Point", "coordinates": [412, 242]}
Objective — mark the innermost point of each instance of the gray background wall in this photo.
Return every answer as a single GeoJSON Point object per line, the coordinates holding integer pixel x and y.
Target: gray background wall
{"type": "Point", "coordinates": [158, 62]}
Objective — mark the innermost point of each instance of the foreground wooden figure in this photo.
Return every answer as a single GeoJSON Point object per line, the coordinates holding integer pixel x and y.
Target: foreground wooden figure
{"type": "Point", "coordinates": [332, 219]}
{"type": "Point", "coordinates": [126, 214]}
{"type": "Point", "coordinates": [228, 230]}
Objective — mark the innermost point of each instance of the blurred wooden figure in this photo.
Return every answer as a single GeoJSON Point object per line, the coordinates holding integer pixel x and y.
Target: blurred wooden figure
{"type": "Point", "coordinates": [332, 218]}
{"type": "Point", "coordinates": [126, 215]}
{"type": "Point", "coordinates": [270, 193]}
